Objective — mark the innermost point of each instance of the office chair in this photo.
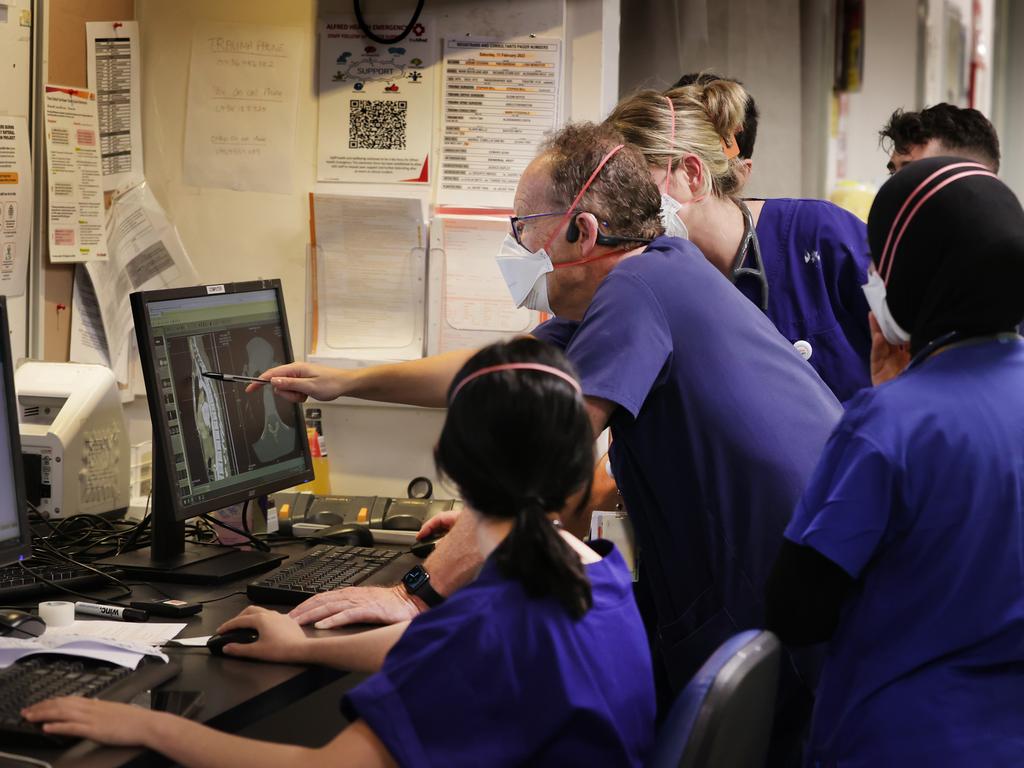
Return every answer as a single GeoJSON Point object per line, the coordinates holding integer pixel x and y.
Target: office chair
{"type": "Point", "coordinates": [723, 718]}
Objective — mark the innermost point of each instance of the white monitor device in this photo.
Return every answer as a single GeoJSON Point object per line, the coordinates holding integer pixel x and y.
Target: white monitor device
{"type": "Point", "coordinates": [74, 442]}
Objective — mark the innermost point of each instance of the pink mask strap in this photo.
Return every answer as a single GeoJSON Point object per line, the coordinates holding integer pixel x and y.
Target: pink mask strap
{"type": "Point", "coordinates": [588, 259]}
{"type": "Point", "coordinates": [572, 208]}
{"type": "Point", "coordinates": [517, 367]}
{"type": "Point", "coordinates": [671, 141]}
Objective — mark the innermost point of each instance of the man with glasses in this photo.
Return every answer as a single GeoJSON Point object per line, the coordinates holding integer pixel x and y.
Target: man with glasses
{"type": "Point", "coordinates": [716, 419]}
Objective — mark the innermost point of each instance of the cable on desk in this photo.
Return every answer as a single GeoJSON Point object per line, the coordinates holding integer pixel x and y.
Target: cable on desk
{"type": "Point", "coordinates": [260, 545]}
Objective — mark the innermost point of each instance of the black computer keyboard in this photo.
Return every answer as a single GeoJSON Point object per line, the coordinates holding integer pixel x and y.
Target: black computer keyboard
{"type": "Point", "coordinates": [36, 678]}
{"type": "Point", "coordinates": [18, 586]}
{"type": "Point", "coordinates": [323, 568]}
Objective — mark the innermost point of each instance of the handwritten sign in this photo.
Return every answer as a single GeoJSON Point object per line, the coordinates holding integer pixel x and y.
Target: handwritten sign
{"type": "Point", "coordinates": [242, 93]}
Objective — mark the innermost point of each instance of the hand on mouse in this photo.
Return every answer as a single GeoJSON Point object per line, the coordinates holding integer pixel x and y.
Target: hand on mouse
{"type": "Point", "coordinates": [438, 525]}
{"type": "Point", "coordinates": [281, 639]}
{"type": "Point", "coordinates": [357, 605]}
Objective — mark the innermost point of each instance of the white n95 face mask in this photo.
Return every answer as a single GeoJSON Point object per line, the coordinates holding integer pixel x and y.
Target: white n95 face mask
{"type": "Point", "coordinates": [525, 274]}
{"type": "Point", "coordinates": [874, 291]}
{"type": "Point", "coordinates": [674, 226]}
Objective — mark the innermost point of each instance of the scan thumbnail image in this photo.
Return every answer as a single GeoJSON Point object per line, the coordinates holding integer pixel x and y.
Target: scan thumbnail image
{"type": "Point", "coordinates": [234, 431]}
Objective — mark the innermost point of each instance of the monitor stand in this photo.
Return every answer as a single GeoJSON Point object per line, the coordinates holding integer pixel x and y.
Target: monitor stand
{"type": "Point", "coordinates": [169, 558]}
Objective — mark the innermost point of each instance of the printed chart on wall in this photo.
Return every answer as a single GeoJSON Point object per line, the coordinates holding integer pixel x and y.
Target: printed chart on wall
{"type": "Point", "coordinates": [112, 51]}
{"type": "Point", "coordinates": [15, 205]}
{"type": "Point", "coordinates": [376, 102]}
{"type": "Point", "coordinates": [476, 308]}
{"type": "Point", "coordinates": [242, 96]}
{"type": "Point", "coordinates": [369, 277]}
{"type": "Point", "coordinates": [500, 98]}
{"type": "Point", "coordinates": [73, 164]}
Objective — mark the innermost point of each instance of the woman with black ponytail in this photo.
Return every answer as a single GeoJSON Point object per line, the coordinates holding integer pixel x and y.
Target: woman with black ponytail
{"type": "Point", "coordinates": [541, 661]}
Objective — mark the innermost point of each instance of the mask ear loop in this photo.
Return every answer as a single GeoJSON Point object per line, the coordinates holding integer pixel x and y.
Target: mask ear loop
{"type": "Point", "coordinates": [572, 208]}
{"type": "Point", "coordinates": [672, 143]}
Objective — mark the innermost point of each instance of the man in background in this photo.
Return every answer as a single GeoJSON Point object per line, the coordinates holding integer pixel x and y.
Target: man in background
{"type": "Point", "coordinates": [943, 129]}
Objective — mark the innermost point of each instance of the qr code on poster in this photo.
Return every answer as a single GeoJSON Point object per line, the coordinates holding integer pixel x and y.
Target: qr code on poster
{"type": "Point", "coordinates": [376, 124]}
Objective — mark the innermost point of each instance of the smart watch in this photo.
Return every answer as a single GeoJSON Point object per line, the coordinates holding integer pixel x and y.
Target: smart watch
{"type": "Point", "coordinates": [417, 582]}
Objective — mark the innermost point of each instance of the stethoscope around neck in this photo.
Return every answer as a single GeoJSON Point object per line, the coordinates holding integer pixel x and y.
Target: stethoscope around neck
{"type": "Point", "coordinates": [749, 244]}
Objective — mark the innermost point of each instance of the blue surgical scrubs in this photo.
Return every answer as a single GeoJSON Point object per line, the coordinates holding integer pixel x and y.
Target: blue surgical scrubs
{"type": "Point", "coordinates": [815, 258]}
{"type": "Point", "coordinates": [919, 497]}
{"type": "Point", "coordinates": [718, 424]}
{"type": "Point", "coordinates": [494, 677]}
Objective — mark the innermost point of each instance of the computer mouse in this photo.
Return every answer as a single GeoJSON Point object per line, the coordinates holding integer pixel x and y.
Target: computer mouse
{"type": "Point", "coordinates": [216, 643]}
{"type": "Point", "coordinates": [425, 546]}
{"type": "Point", "coordinates": [348, 533]}
{"type": "Point", "coordinates": [14, 623]}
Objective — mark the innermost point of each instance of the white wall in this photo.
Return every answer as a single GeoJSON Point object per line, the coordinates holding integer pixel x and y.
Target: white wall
{"type": "Point", "coordinates": [235, 236]}
{"type": "Point", "coordinates": [756, 41]}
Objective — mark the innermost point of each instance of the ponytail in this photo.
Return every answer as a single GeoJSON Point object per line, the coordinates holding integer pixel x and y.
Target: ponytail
{"type": "Point", "coordinates": [535, 554]}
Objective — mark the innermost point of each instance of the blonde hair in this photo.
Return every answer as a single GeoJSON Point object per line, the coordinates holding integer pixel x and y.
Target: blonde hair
{"type": "Point", "coordinates": [707, 118]}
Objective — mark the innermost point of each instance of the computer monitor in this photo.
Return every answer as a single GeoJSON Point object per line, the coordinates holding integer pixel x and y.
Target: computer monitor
{"type": "Point", "coordinates": [15, 535]}
{"type": "Point", "coordinates": [214, 444]}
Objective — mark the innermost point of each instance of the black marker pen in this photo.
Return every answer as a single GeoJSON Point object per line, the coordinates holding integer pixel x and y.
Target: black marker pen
{"type": "Point", "coordinates": [111, 612]}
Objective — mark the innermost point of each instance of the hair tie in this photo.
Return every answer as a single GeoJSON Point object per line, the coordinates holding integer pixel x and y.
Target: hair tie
{"type": "Point", "coordinates": [517, 367]}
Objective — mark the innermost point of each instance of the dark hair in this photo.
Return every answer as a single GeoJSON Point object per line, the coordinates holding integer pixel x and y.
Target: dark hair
{"type": "Point", "coordinates": [519, 444]}
{"type": "Point", "coordinates": [744, 139]}
{"type": "Point", "coordinates": [959, 130]}
{"type": "Point", "coordinates": [622, 194]}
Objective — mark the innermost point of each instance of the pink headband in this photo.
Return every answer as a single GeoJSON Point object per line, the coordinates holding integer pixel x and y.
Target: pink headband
{"type": "Point", "coordinates": [671, 141]}
{"type": "Point", "coordinates": [888, 256]}
{"type": "Point", "coordinates": [517, 367]}
{"type": "Point", "coordinates": [572, 208]}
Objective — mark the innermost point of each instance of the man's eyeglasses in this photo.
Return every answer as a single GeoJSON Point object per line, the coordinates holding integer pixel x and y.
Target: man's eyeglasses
{"type": "Point", "coordinates": [519, 223]}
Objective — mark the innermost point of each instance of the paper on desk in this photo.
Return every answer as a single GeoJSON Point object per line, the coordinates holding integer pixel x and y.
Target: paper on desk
{"type": "Point", "coordinates": [191, 642]}
{"type": "Point", "coordinates": [371, 272]}
{"type": "Point", "coordinates": [149, 632]}
{"type": "Point", "coordinates": [123, 653]}
{"type": "Point", "coordinates": [112, 51]}
{"type": "Point", "coordinates": [145, 254]}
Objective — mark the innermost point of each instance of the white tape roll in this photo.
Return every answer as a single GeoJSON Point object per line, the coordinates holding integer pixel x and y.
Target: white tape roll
{"type": "Point", "coordinates": [57, 613]}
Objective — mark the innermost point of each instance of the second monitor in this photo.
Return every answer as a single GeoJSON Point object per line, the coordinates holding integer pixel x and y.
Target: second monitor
{"type": "Point", "coordinates": [214, 444]}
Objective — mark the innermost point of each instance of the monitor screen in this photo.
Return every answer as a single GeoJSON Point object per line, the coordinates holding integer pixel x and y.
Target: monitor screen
{"type": "Point", "coordinates": [223, 444]}
{"type": "Point", "coordinates": [14, 531]}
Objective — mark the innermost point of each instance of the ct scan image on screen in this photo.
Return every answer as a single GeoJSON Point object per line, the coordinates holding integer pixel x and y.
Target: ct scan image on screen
{"type": "Point", "coordinates": [222, 435]}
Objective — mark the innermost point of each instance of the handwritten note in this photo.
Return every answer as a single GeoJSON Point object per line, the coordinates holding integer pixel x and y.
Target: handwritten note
{"type": "Point", "coordinates": [242, 93]}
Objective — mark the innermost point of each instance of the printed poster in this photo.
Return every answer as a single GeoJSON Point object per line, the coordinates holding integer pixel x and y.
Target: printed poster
{"type": "Point", "coordinates": [376, 103]}
{"type": "Point", "coordinates": [15, 204]}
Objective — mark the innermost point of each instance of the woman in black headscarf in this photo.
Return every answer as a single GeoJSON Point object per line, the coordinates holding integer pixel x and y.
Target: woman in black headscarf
{"type": "Point", "coordinates": [906, 553]}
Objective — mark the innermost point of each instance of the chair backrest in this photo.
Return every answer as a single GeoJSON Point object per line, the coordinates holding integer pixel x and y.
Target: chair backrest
{"type": "Point", "coordinates": [723, 717]}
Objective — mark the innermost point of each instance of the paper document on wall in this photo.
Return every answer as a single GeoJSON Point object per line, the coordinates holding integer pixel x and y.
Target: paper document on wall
{"type": "Point", "coordinates": [370, 276]}
{"type": "Point", "coordinates": [145, 254]}
{"type": "Point", "coordinates": [74, 175]}
{"type": "Point", "coordinates": [500, 98]}
{"type": "Point", "coordinates": [242, 96]}
{"type": "Point", "coordinates": [376, 102]}
{"type": "Point", "coordinates": [476, 307]}
{"type": "Point", "coordinates": [15, 204]}
{"type": "Point", "coordinates": [112, 61]}
{"type": "Point", "coordinates": [88, 339]}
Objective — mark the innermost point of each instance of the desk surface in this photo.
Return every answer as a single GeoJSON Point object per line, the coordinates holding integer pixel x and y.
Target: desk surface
{"type": "Point", "coordinates": [237, 693]}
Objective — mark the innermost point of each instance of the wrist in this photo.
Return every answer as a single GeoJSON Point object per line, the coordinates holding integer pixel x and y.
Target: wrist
{"type": "Point", "coordinates": [163, 732]}
{"type": "Point", "coordinates": [416, 605]}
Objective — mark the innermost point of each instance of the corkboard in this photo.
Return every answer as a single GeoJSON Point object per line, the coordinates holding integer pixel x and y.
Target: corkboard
{"type": "Point", "coordinates": [66, 66]}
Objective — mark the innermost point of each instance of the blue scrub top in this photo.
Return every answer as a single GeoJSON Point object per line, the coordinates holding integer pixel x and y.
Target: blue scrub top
{"type": "Point", "coordinates": [920, 497]}
{"type": "Point", "coordinates": [493, 677]}
{"type": "Point", "coordinates": [816, 259]}
{"type": "Point", "coordinates": [719, 424]}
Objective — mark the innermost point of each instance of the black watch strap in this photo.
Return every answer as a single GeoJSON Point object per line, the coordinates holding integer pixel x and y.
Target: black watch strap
{"type": "Point", "coordinates": [417, 582]}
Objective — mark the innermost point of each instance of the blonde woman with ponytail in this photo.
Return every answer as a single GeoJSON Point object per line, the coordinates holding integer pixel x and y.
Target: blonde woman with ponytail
{"type": "Point", "coordinates": [802, 261]}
